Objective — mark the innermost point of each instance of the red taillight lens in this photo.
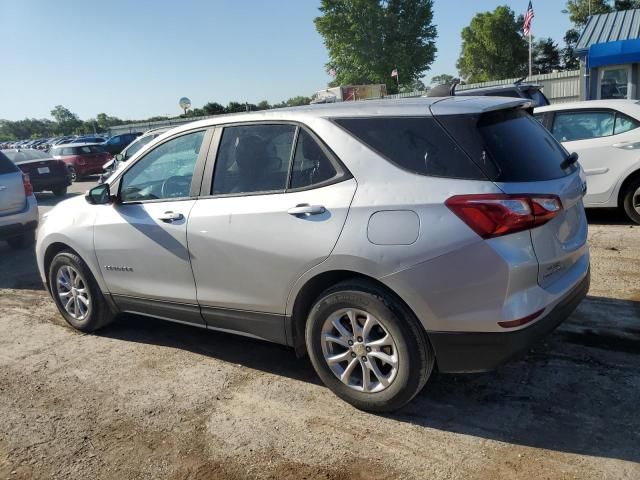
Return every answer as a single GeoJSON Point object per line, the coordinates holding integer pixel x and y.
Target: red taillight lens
{"type": "Point", "coordinates": [494, 215]}
{"type": "Point", "coordinates": [28, 188]}
{"type": "Point", "coordinates": [521, 321]}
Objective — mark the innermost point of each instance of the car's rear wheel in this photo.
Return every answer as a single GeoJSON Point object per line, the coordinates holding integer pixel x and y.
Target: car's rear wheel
{"type": "Point", "coordinates": [60, 191]}
{"type": "Point", "coordinates": [368, 348]}
{"type": "Point", "coordinates": [77, 294]}
{"type": "Point", "coordinates": [631, 200]}
{"type": "Point", "coordinates": [23, 241]}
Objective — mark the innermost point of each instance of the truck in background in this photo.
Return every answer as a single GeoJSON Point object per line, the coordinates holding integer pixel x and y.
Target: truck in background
{"type": "Point", "coordinates": [349, 93]}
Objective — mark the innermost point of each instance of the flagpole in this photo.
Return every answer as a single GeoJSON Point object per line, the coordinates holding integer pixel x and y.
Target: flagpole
{"type": "Point", "coordinates": [529, 53]}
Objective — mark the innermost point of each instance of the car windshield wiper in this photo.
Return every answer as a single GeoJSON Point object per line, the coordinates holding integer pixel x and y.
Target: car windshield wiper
{"type": "Point", "coordinates": [570, 160]}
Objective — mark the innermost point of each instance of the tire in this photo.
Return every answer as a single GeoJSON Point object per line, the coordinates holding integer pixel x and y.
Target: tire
{"type": "Point", "coordinates": [25, 240]}
{"type": "Point", "coordinates": [74, 176]}
{"type": "Point", "coordinates": [409, 347]}
{"type": "Point", "coordinates": [60, 191]}
{"type": "Point", "coordinates": [632, 197]}
{"type": "Point", "coordinates": [97, 312]}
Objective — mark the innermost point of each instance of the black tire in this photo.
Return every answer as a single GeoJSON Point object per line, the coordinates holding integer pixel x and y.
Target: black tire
{"type": "Point", "coordinates": [628, 200]}
{"type": "Point", "coordinates": [415, 356]}
{"type": "Point", "coordinates": [99, 314]}
{"type": "Point", "coordinates": [25, 240]}
{"type": "Point", "coordinates": [60, 191]}
{"type": "Point", "coordinates": [74, 176]}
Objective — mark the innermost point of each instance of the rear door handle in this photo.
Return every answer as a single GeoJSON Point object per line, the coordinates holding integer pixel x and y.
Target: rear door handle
{"type": "Point", "coordinates": [306, 209]}
{"type": "Point", "coordinates": [169, 217]}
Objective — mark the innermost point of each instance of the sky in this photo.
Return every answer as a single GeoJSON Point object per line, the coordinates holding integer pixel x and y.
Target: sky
{"type": "Point", "coordinates": [135, 59]}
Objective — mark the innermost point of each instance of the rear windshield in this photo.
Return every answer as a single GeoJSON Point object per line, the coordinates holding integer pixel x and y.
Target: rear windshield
{"type": "Point", "coordinates": [6, 165]}
{"type": "Point", "coordinates": [416, 144]}
{"type": "Point", "coordinates": [509, 145]}
{"type": "Point", "coordinates": [25, 155]}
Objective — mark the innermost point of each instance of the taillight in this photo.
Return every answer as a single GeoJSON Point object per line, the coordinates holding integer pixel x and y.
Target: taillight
{"type": "Point", "coordinates": [28, 188]}
{"type": "Point", "coordinates": [494, 215]}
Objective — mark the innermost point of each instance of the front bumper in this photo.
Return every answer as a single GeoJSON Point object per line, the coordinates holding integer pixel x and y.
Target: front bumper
{"type": "Point", "coordinates": [458, 352]}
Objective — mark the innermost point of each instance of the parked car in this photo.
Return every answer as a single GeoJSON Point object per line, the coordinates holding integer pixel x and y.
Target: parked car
{"type": "Point", "coordinates": [117, 143]}
{"type": "Point", "coordinates": [90, 139]}
{"type": "Point", "coordinates": [45, 172]}
{"type": "Point", "coordinates": [133, 148]}
{"type": "Point", "coordinates": [18, 206]}
{"type": "Point", "coordinates": [81, 159]}
{"type": "Point", "coordinates": [369, 235]}
{"type": "Point", "coordinates": [519, 89]}
{"type": "Point", "coordinates": [606, 136]}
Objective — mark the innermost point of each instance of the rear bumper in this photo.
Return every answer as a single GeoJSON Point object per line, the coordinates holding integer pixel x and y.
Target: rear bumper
{"type": "Point", "coordinates": [51, 182]}
{"type": "Point", "coordinates": [458, 352]}
{"type": "Point", "coordinates": [17, 229]}
{"type": "Point", "coordinates": [20, 222]}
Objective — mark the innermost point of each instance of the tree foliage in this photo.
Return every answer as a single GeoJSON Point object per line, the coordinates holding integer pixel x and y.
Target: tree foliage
{"type": "Point", "coordinates": [493, 47]}
{"type": "Point", "coordinates": [546, 56]}
{"type": "Point", "coordinates": [367, 39]}
{"type": "Point", "coordinates": [578, 10]}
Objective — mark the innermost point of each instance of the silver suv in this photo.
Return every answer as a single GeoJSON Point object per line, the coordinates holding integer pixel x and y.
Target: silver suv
{"type": "Point", "coordinates": [381, 238]}
{"type": "Point", "coordinates": [18, 205]}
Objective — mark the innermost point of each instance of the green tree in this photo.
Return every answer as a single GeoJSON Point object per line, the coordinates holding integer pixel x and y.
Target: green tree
{"type": "Point", "coordinates": [569, 57]}
{"type": "Point", "coordinates": [546, 56]}
{"type": "Point", "coordinates": [263, 105]}
{"type": "Point", "coordinates": [367, 39]}
{"type": "Point", "coordinates": [626, 4]}
{"type": "Point", "coordinates": [297, 101]}
{"type": "Point", "coordinates": [578, 10]}
{"type": "Point", "coordinates": [213, 108]}
{"type": "Point", "coordinates": [493, 47]}
{"type": "Point", "coordinates": [67, 121]}
{"type": "Point", "coordinates": [442, 79]}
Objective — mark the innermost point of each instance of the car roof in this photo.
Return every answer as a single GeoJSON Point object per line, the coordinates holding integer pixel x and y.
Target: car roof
{"type": "Point", "coordinates": [497, 88]}
{"type": "Point", "coordinates": [407, 107]}
{"type": "Point", "coordinates": [590, 104]}
{"type": "Point", "coordinates": [79, 144]}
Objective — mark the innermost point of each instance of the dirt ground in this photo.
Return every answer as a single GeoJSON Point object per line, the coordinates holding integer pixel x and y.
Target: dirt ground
{"type": "Point", "coordinates": [149, 399]}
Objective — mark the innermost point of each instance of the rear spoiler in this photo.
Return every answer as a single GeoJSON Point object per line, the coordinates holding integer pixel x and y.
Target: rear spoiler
{"type": "Point", "coordinates": [447, 106]}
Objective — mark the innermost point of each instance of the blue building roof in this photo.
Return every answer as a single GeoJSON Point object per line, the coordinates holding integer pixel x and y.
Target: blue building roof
{"type": "Point", "coordinates": [609, 27]}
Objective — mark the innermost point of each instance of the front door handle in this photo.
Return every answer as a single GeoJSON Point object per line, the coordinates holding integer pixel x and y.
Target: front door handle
{"type": "Point", "coordinates": [169, 217]}
{"type": "Point", "coordinates": [304, 209]}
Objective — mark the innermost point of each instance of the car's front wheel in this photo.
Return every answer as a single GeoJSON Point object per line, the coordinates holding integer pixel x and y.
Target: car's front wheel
{"type": "Point", "coordinates": [367, 347]}
{"type": "Point", "coordinates": [77, 294]}
{"type": "Point", "coordinates": [631, 200]}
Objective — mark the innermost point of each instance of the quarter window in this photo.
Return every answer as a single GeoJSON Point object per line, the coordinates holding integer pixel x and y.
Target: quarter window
{"type": "Point", "coordinates": [624, 124]}
{"type": "Point", "coordinates": [165, 172]}
{"type": "Point", "coordinates": [417, 144]}
{"type": "Point", "coordinates": [310, 164]}
{"type": "Point", "coordinates": [253, 158]}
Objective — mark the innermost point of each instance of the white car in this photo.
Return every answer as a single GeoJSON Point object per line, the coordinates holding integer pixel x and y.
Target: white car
{"type": "Point", "coordinates": [18, 206]}
{"type": "Point", "coordinates": [605, 135]}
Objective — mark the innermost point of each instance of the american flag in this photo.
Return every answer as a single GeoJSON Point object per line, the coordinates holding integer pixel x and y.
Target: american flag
{"type": "Point", "coordinates": [528, 18]}
{"type": "Point", "coordinates": [394, 72]}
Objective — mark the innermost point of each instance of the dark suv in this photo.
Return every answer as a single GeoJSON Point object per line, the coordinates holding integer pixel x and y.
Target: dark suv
{"type": "Point", "coordinates": [117, 143]}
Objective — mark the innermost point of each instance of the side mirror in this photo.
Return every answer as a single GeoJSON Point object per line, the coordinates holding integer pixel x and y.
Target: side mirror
{"type": "Point", "coordinates": [119, 157]}
{"type": "Point", "coordinates": [99, 195]}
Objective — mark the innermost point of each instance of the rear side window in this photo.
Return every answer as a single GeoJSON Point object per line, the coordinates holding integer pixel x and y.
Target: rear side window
{"type": "Point", "coordinates": [571, 126]}
{"type": "Point", "coordinates": [6, 165]}
{"type": "Point", "coordinates": [416, 144]}
{"type": "Point", "coordinates": [509, 145]}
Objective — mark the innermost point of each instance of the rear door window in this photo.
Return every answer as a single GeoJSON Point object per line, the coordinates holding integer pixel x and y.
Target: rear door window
{"type": "Point", "coordinates": [253, 159]}
{"type": "Point", "coordinates": [624, 124]}
{"type": "Point", "coordinates": [571, 126]}
{"type": "Point", "coordinates": [311, 165]}
{"type": "Point", "coordinates": [416, 144]}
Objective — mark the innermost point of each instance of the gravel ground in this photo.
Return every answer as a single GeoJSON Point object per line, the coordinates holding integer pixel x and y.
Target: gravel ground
{"type": "Point", "coordinates": [149, 399]}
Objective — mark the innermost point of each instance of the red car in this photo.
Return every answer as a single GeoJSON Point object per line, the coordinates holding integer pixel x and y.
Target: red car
{"type": "Point", "coordinates": [82, 159]}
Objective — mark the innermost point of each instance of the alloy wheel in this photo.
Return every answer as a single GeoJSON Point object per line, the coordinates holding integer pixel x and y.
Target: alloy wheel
{"type": "Point", "coordinates": [73, 292]}
{"type": "Point", "coordinates": [635, 200]}
{"type": "Point", "coordinates": [359, 350]}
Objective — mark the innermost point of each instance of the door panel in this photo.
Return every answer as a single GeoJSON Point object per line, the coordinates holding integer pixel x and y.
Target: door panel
{"type": "Point", "coordinates": [248, 251]}
{"type": "Point", "coordinates": [141, 255]}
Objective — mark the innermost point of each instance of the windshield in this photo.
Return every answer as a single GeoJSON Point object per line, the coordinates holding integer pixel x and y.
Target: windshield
{"type": "Point", "coordinates": [136, 146]}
